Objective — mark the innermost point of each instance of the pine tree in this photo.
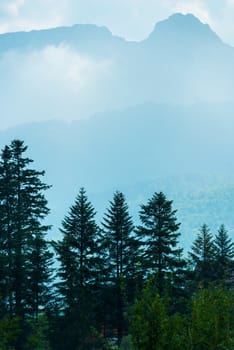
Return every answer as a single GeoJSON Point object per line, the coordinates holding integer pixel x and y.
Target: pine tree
{"type": "Point", "coordinates": [23, 207]}
{"type": "Point", "coordinates": [77, 252]}
{"type": "Point", "coordinates": [79, 270]}
{"type": "Point", "coordinates": [202, 256]}
{"type": "Point", "coordinates": [121, 246]}
{"type": "Point", "coordinates": [40, 272]}
{"type": "Point", "coordinates": [224, 254]}
{"type": "Point", "coordinates": [7, 202]}
{"type": "Point", "coordinates": [159, 238]}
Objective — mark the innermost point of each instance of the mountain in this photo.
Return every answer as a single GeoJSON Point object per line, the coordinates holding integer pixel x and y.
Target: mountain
{"type": "Point", "coordinates": [74, 72]}
{"type": "Point", "coordinates": [178, 29]}
{"type": "Point", "coordinates": [184, 30]}
{"type": "Point", "coordinates": [84, 37]}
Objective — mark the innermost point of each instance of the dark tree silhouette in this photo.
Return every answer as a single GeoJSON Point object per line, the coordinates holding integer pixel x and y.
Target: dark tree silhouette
{"type": "Point", "coordinates": [121, 246]}
{"type": "Point", "coordinates": [202, 256]}
{"type": "Point", "coordinates": [159, 237]}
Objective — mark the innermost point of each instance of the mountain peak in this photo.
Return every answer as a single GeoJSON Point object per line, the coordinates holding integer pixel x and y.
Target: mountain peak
{"type": "Point", "coordinates": [183, 27]}
{"type": "Point", "coordinates": [181, 18]}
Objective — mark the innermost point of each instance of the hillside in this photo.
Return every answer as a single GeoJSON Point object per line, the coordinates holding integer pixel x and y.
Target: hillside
{"type": "Point", "coordinates": [184, 151]}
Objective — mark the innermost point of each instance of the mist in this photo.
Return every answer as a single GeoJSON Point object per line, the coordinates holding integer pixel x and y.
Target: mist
{"type": "Point", "coordinates": [52, 83]}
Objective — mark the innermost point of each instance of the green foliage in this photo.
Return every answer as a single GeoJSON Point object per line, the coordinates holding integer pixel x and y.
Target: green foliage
{"type": "Point", "coordinates": [10, 331]}
{"type": "Point", "coordinates": [152, 327]}
{"type": "Point", "coordinates": [126, 343]}
{"type": "Point", "coordinates": [212, 320]}
{"type": "Point", "coordinates": [100, 270]}
{"type": "Point", "coordinates": [176, 333]}
{"type": "Point", "coordinates": [149, 321]}
{"type": "Point", "coordinates": [38, 338]}
{"type": "Point", "coordinates": [210, 326]}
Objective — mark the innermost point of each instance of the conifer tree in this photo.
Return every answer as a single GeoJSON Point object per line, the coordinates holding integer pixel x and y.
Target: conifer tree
{"type": "Point", "coordinates": [7, 202]}
{"type": "Point", "coordinates": [224, 254]}
{"type": "Point", "coordinates": [79, 259]}
{"type": "Point", "coordinates": [77, 252]}
{"type": "Point", "coordinates": [40, 273]}
{"type": "Point", "coordinates": [121, 246]}
{"type": "Point", "coordinates": [31, 209]}
{"type": "Point", "coordinates": [202, 256]}
{"type": "Point", "coordinates": [159, 238]}
{"type": "Point", "coordinates": [23, 208]}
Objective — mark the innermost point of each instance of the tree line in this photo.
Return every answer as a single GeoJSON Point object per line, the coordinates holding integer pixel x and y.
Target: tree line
{"type": "Point", "coordinates": [113, 282]}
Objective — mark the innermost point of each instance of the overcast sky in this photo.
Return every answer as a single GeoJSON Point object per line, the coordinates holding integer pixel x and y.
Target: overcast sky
{"type": "Point", "coordinates": [132, 19]}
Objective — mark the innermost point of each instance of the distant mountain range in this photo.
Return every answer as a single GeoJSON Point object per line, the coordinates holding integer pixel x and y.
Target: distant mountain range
{"type": "Point", "coordinates": [178, 30]}
{"type": "Point", "coordinates": [182, 61]}
{"type": "Point", "coordinates": [160, 116]}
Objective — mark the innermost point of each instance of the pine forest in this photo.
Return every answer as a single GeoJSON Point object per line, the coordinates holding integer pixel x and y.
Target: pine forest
{"type": "Point", "coordinates": [114, 284]}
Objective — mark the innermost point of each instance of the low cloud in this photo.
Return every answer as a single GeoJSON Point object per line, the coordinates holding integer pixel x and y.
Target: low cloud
{"type": "Point", "coordinates": [12, 8]}
{"type": "Point", "coordinates": [54, 83]}
{"type": "Point", "coordinates": [198, 8]}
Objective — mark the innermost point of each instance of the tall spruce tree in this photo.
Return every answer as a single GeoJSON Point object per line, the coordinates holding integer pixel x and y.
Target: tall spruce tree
{"type": "Point", "coordinates": [7, 201]}
{"type": "Point", "coordinates": [159, 238]}
{"type": "Point", "coordinates": [23, 208]}
{"type": "Point", "coordinates": [78, 273]}
{"type": "Point", "coordinates": [202, 257]}
{"type": "Point", "coordinates": [224, 254]}
{"type": "Point", "coordinates": [122, 248]}
{"type": "Point", "coordinates": [40, 272]}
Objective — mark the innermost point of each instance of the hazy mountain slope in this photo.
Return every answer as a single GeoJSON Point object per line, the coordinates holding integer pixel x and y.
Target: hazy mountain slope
{"type": "Point", "coordinates": [85, 37]}
{"type": "Point", "coordinates": [184, 151]}
{"type": "Point", "coordinates": [70, 73]}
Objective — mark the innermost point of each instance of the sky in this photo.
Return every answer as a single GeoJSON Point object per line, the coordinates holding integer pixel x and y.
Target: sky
{"type": "Point", "coordinates": [131, 19]}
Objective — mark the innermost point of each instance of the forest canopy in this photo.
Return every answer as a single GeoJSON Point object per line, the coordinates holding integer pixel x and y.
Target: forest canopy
{"type": "Point", "coordinates": [109, 284]}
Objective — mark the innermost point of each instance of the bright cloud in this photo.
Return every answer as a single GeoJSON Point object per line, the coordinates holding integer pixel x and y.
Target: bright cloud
{"type": "Point", "coordinates": [13, 7]}
{"type": "Point", "coordinates": [54, 83]}
{"type": "Point", "coordinates": [230, 2]}
{"type": "Point", "coordinates": [198, 8]}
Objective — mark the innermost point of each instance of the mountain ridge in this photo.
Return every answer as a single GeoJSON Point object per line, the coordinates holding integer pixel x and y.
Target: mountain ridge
{"type": "Point", "coordinates": [71, 34]}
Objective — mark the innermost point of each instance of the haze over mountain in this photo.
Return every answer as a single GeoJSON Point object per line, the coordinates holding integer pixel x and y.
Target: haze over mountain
{"type": "Point", "coordinates": [147, 116]}
{"type": "Point", "coordinates": [71, 73]}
